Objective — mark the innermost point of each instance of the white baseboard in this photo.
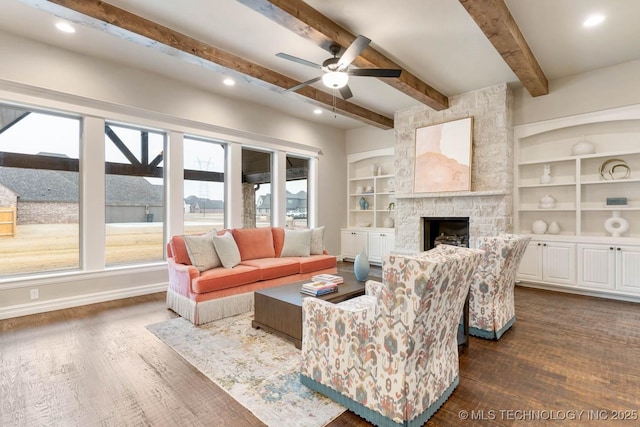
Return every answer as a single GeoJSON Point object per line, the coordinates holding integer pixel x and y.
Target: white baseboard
{"type": "Point", "coordinates": [79, 300]}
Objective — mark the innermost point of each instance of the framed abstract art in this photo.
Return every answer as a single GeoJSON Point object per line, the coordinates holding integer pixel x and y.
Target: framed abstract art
{"type": "Point", "coordinates": [443, 157]}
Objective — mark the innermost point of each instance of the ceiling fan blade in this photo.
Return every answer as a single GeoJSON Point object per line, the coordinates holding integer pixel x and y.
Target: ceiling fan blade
{"type": "Point", "coordinates": [352, 52]}
{"type": "Point", "coordinates": [374, 72]}
{"type": "Point", "coordinates": [345, 92]}
{"type": "Point", "coordinates": [303, 84]}
{"type": "Point", "coordinates": [298, 60]}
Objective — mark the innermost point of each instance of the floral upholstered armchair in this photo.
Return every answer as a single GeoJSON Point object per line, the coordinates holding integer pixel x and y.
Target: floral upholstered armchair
{"type": "Point", "coordinates": [491, 300]}
{"type": "Point", "coordinates": [391, 356]}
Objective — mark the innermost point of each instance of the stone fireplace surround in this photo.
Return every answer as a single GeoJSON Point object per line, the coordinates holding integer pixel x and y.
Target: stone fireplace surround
{"type": "Point", "coordinates": [489, 204]}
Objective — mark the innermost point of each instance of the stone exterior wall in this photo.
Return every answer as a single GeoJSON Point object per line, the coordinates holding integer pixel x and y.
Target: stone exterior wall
{"type": "Point", "coordinates": [47, 213]}
{"type": "Point", "coordinates": [7, 197]}
{"type": "Point", "coordinates": [248, 205]}
{"type": "Point", "coordinates": [490, 210]}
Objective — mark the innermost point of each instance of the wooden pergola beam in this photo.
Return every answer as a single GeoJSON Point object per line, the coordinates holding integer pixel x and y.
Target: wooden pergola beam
{"type": "Point", "coordinates": [307, 22]}
{"type": "Point", "coordinates": [496, 22]}
{"type": "Point", "coordinates": [139, 30]}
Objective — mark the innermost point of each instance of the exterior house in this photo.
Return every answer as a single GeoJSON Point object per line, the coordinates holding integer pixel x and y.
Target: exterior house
{"type": "Point", "coordinates": [51, 197]}
{"type": "Point", "coordinates": [295, 203]}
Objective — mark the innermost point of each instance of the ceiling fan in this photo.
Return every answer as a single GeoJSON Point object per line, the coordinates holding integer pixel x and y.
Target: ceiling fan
{"type": "Point", "coordinates": [336, 69]}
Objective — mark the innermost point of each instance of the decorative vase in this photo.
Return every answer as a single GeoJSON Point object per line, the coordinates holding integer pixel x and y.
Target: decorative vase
{"type": "Point", "coordinates": [546, 175]}
{"type": "Point", "coordinates": [539, 227]}
{"type": "Point", "coordinates": [366, 205]}
{"type": "Point", "coordinates": [554, 228]}
{"type": "Point", "coordinates": [547, 202]}
{"type": "Point", "coordinates": [374, 168]}
{"type": "Point", "coordinates": [361, 266]}
{"type": "Point", "coordinates": [616, 225]}
{"type": "Point", "coordinates": [363, 201]}
{"type": "Point", "coordinates": [388, 222]}
{"type": "Point", "coordinates": [583, 147]}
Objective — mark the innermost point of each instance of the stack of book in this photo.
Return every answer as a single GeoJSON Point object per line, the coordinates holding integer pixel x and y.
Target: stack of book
{"type": "Point", "coordinates": [328, 278]}
{"type": "Point", "coordinates": [317, 288]}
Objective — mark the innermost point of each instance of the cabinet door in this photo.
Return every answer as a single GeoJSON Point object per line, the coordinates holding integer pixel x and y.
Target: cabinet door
{"type": "Point", "coordinates": [559, 262]}
{"type": "Point", "coordinates": [531, 263]}
{"type": "Point", "coordinates": [380, 244]}
{"type": "Point", "coordinates": [376, 246]}
{"type": "Point", "coordinates": [352, 243]}
{"type": "Point", "coordinates": [628, 268]}
{"type": "Point", "coordinates": [389, 242]}
{"type": "Point", "coordinates": [596, 266]}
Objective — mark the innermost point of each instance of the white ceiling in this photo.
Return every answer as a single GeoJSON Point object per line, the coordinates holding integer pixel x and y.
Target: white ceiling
{"type": "Point", "coordinates": [436, 40]}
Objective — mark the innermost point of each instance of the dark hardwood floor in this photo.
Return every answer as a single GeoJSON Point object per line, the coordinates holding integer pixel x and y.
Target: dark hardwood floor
{"type": "Point", "coordinates": [98, 365]}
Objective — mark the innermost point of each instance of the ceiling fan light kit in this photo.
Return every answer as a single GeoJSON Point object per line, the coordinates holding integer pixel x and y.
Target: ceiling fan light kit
{"type": "Point", "coordinates": [335, 79]}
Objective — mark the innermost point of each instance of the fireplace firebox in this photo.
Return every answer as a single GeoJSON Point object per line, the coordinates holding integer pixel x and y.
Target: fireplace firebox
{"type": "Point", "coordinates": [447, 230]}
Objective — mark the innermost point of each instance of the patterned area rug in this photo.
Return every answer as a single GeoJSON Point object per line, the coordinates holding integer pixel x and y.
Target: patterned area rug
{"type": "Point", "coordinates": [258, 369]}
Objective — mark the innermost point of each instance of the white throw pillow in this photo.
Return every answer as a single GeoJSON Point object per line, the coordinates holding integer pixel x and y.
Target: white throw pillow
{"type": "Point", "coordinates": [227, 250]}
{"type": "Point", "coordinates": [296, 243]}
{"type": "Point", "coordinates": [317, 241]}
{"type": "Point", "coordinates": [201, 251]}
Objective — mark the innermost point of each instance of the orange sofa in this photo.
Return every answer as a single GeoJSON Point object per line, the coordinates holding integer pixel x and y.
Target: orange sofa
{"type": "Point", "coordinates": [205, 296]}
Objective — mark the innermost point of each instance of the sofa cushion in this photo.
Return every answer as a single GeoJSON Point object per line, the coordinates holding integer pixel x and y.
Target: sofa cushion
{"type": "Point", "coordinates": [278, 240]}
{"type": "Point", "coordinates": [224, 278]}
{"type": "Point", "coordinates": [316, 262]}
{"type": "Point", "coordinates": [227, 250]}
{"type": "Point", "coordinates": [317, 241]}
{"type": "Point", "coordinates": [201, 251]}
{"type": "Point", "coordinates": [271, 268]}
{"type": "Point", "coordinates": [254, 243]}
{"type": "Point", "coordinates": [296, 243]}
{"type": "Point", "coordinates": [179, 251]}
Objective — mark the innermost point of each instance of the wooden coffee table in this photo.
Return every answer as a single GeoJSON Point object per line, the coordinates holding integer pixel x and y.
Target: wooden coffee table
{"type": "Point", "coordinates": [279, 309]}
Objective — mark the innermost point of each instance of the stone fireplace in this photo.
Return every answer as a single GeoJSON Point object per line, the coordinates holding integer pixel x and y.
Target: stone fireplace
{"type": "Point", "coordinates": [489, 204]}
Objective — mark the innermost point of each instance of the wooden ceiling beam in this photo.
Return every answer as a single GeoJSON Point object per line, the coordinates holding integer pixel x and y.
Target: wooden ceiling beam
{"type": "Point", "coordinates": [139, 30]}
{"type": "Point", "coordinates": [307, 22]}
{"type": "Point", "coordinates": [496, 22]}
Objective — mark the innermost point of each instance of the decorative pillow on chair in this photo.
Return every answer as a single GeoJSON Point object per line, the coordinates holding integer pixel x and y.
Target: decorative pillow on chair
{"type": "Point", "coordinates": [201, 251]}
{"type": "Point", "coordinates": [317, 241]}
{"type": "Point", "coordinates": [296, 243]}
{"type": "Point", "coordinates": [227, 250]}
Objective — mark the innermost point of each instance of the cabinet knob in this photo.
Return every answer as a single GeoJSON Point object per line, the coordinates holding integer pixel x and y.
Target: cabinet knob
{"type": "Point", "coordinates": [619, 249]}
{"type": "Point", "coordinates": [611, 248]}
{"type": "Point", "coordinates": [544, 244]}
{"type": "Point", "coordinates": [539, 244]}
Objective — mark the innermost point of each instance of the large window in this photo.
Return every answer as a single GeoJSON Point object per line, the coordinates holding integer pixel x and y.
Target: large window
{"type": "Point", "coordinates": [39, 215]}
{"type": "Point", "coordinates": [204, 194]}
{"type": "Point", "coordinates": [297, 187]}
{"type": "Point", "coordinates": [134, 199]}
{"type": "Point", "coordinates": [256, 188]}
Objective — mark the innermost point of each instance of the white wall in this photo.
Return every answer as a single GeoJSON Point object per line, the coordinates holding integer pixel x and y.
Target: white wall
{"type": "Point", "coordinates": [368, 138]}
{"type": "Point", "coordinates": [597, 90]}
{"type": "Point", "coordinates": [49, 77]}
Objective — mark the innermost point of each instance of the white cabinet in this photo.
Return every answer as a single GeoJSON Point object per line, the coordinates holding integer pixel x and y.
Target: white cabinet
{"type": "Point", "coordinates": [370, 179]}
{"type": "Point", "coordinates": [353, 242]}
{"type": "Point", "coordinates": [583, 255]}
{"type": "Point", "coordinates": [549, 262]}
{"type": "Point", "coordinates": [380, 244]}
{"type": "Point", "coordinates": [611, 267]}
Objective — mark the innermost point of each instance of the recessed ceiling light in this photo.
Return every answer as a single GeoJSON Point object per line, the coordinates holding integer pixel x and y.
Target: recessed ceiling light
{"type": "Point", "coordinates": [228, 82]}
{"type": "Point", "coordinates": [65, 27]}
{"type": "Point", "coordinates": [317, 111]}
{"type": "Point", "coordinates": [593, 20]}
